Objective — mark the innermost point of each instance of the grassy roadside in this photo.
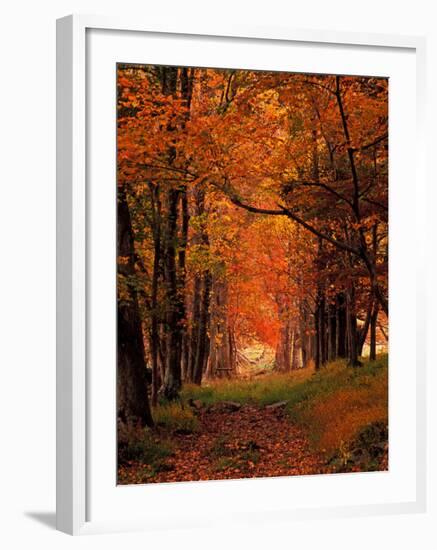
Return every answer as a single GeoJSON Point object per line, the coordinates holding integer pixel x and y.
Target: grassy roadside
{"type": "Point", "coordinates": [263, 390]}
{"type": "Point", "coordinates": [343, 411]}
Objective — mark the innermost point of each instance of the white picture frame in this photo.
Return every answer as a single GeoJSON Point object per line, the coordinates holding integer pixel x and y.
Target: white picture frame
{"type": "Point", "coordinates": [73, 340]}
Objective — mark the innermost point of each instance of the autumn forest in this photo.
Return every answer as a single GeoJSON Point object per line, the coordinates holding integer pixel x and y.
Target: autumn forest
{"type": "Point", "coordinates": [252, 273]}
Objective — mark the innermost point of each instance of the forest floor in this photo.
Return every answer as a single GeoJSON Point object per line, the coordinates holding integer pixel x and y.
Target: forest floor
{"type": "Point", "coordinates": [301, 423]}
{"type": "Point", "coordinates": [232, 444]}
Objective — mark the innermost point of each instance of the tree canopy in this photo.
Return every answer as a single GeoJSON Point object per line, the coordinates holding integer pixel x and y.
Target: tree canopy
{"type": "Point", "coordinates": [252, 207]}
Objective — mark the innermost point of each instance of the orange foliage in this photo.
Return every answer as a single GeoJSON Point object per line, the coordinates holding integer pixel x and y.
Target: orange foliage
{"type": "Point", "coordinates": [337, 417]}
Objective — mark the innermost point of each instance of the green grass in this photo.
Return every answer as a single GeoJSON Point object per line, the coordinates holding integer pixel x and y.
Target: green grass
{"type": "Point", "coordinates": [296, 387]}
{"type": "Point", "coordinates": [225, 454]}
{"type": "Point", "coordinates": [333, 405]}
{"type": "Point", "coordinates": [151, 448]}
{"type": "Point", "coordinates": [343, 411]}
{"type": "Point", "coordinates": [176, 417]}
{"type": "Point", "coordinates": [149, 454]}
{"type": "Point", "coordinates": [142, 445]}
{"type": "Point", "coordinates": [262, 391]}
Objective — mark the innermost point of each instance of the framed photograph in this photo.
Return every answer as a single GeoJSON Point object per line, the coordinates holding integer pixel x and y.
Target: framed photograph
{"type": "Point", "coordinates": [240, 292]}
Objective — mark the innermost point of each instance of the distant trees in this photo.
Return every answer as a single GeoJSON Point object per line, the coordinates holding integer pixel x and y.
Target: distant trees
{"type": "Point", "coordinates": [257, 207]}
{"type": "Point", "coordinates": [334, 183]}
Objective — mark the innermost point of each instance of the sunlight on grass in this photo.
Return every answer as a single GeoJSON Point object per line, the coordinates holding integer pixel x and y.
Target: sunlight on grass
{"type": "Point", "coordinates": [337, 416]}
{"type": "Point", "coordinates": [262, 391]}
{"type": "Point", "coordinates": [332, 405]}
{"type": "Point", "coordinates": [176, 417]}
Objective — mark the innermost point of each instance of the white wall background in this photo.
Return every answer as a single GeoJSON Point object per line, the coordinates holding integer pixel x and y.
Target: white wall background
{"type": "Point", "coordinates": [27, 273]}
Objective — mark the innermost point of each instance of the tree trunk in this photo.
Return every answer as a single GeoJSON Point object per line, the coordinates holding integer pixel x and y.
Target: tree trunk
{"type": "Point", "coordinates": [154, 330]}
{"type": "Point", "coordinates": [296, 360]}
{"type": "Point", "coordinates": [220, 364]}
{"type": "Point", "coordinates": [284, 349]}
{"type": "Point", "coordinates": [304, 338]}
{"type": "Point", "coordinates": [373, 325]}
{"type": "Point", "coordinates": [185, 358]}
{"type": "Point", "coordinates": [175, 309]}
{"type": "Point", "coordinates": [174, 280]}
{"type": "Point", "coordinates": [296, 356]}
{"type": "Point", "coordinates": [194, 328]}
{"type": "Point", "coordinates": [132, 389]}
{"type": "Point", "coordinates": [341, 325]}
{"type": "Point", "coordinates": [332, 348]}
{"type": "Point", "coordinates": [317, 357]}
{"type": "Point", "coordinates": [374, 316]}
{"type": "Point", "coordinates": [201, 299]}
{"type": "Point", "coordinates": [352, 329]}
{"type": "Point", "coordinates": [362, 333]}
{"type": "Point", "coordinates": [292, 348]}
{"type": "Point", "coordinates": [182, 254]}
{"type": "Point", "coordinates": [203, 344]}
{"type": "Point", "coordinates": [322, 328]}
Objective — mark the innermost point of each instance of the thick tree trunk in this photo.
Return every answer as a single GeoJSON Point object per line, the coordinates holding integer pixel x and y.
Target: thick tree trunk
{"type": "Point", "coordinates": [283, 354]}
{"type": "Point", "coordinates": [194, 326]}
{"type": "Point", "coordinates": [220, 364]}
{"type": "Point", "coordinates": [199, 342]}
{"type": "Point", "coordinates": [154, 330]}
{"type": "Point", "coordinates": [175, 236]}
{"type": "Point", "coordinates": [175, 308]}
{"type": "Point", "coordinates": [132, 389]}
{"type": "Point", "coordinates": [202, 350]}
{"type": "Point", "coordinates": [174, 274]}
{"type": "Point", "coordinates": [296, 356]}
